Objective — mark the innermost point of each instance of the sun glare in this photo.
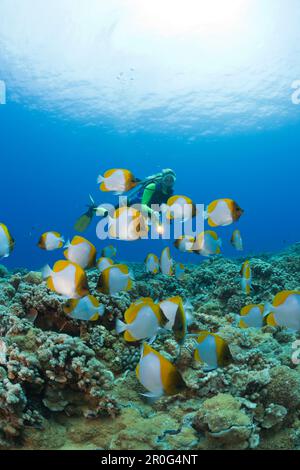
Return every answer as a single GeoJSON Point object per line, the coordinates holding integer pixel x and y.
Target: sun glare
{"type": "Point", "coordinates": [177, 17]}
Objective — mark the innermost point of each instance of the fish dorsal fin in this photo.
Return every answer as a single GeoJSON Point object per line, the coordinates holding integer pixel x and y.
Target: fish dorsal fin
{"type": "Point", "coordinates": [57, 234]}
{"type": "Point", "coordinates": [172, 200]}
{"type": "Point", "coordinates": [245, 310]}
{"type": "Point", "coordinates": [77, 240]}
{"type": "Point", "coordinates": [5, 230]}
{"type": "Point", "coordinates": [110, 172]}
{"type": "Point", "coordinates": [212, 234]}
{"type": "Point", "coordinates": [132, 312]}
{"type": "Point", "coordinates": [148, 350]}
{"type": "Point", "coordinates": [280, 298]}
{"type": "Point", "coordinates": [202, 335]}
{"type": "Point", "coordinates": [211, 207]}
{"type": "Point", "coordinates": [93, 301]}
{"type": "Point", "coordinates": [122, 267]}
{"type": "Point", "coordinates": [61, 265]}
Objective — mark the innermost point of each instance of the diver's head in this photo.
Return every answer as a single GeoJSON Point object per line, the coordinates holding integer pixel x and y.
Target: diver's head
{"type": "Point", "coordinates": [168, 178]}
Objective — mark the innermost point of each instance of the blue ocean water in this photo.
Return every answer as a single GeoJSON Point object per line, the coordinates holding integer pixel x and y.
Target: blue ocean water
{"type": "Point", "coordinates": [50, 159]}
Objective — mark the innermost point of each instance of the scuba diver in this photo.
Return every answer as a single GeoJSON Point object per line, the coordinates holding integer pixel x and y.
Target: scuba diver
{"type": "Point", "coordinates": [155, 189]}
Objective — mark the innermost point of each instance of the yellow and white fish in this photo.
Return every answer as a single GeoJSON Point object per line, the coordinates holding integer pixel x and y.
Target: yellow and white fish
{"type": "Point", "coordinates": [127, 224]}
{"type": "Point", "coordinates": [174, 311]}
{"type": "Point", "coordinates": [179, 208]}
{"type": "Point", "coordinates": [7, 242]}
{"type": "Point", "coordinates": [208, 243]}
{"type": "Point", "coordinates": [166, 262]}
{"type": "Point", "coordinates": [104, 263]}
{"type": "Point", "coordinates": [109, 251]}
{"type": "Point", "coordinates": [246, 281]}
{"type": "Point", "coordinates": [117, 180]}
{"type": "Point", "coordinates": [66, 279]}
{"type": "Point", "coordinates": [51, 241]}
{"type": "Point", "coordinates": [143, 319]}
{"type": "Point", "coordinates": [211, 350]}
{"type": "Point", "coordinates": [82, 252]}
{"type": "Point", "coordinates": [285, 310]}
{"type": "Point", "coordinates": [223, 212]}
{"type": "Point", "coordinates": [152, 264]}
{"type": "Point", "coordinates": [86, 309]}
{"type": "Point", "coordinates": [236, 240]}
{"type": "Point", "coordinates": [185, 244]}
{"type": "Point", "coordinates": [179, 271]}
{"type": "Point", "coordinates": [114, 279]}
{"type": "Point", "coordinates": [158, 375]}
{"type": "Point", "coordinates": [252, 316]}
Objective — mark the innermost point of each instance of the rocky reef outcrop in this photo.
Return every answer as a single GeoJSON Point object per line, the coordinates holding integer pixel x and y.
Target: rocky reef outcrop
{"type": "Point", "coordinates": [75, 381]}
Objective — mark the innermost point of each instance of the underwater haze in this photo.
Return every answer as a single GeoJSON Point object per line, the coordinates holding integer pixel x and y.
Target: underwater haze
{"type": "Point", "coordinates": [104, 88]}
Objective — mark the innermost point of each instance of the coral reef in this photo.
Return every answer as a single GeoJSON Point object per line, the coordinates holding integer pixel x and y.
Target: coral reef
{"type": "Point", "coordinates": [76, 380]}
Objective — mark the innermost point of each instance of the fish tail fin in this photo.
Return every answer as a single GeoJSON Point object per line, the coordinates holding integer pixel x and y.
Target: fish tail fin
{"type": "Point", "coordinates": [100, 179]}
{"type": "Point", "coordinates": [220, 242]}
{"type": "Point", "coordinates": [189, 318]}
{"type": "Point", "coordinates": [268, 308]}
{"type": "Point", "coordinates": [67, 244]}
{"type": "Point", "coordinates": [101, 310]}
{"type": "Point", "coordinates": [152, 396]}
{"type": "Point", "coordinates": [205, 215]}
{"type": "Point", "coordinates": [131, 275]}
{"type": "Point", "coordinates": [120, 326]}
{"type": "Point", "coordinates": [46, 271]}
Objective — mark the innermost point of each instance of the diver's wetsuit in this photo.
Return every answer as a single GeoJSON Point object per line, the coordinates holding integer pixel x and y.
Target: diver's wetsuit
{"type": "Point", "coordinates": [150, 194]}
{"type": "Point", "coordinates": [153, 194]}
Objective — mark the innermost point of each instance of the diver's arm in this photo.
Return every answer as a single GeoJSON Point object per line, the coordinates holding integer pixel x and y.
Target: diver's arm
{"type": "Point", "coordinates": [147, 198]}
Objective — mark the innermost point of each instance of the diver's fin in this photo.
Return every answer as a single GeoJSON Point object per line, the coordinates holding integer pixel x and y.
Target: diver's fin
{"type": "Point", "coordinates": [84, 221]}
{"type": "Point", "coordinates": [92, 200]}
